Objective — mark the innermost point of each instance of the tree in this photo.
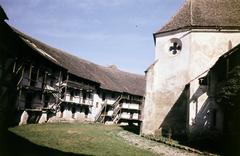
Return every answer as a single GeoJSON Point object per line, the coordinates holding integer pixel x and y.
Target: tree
{"type": "Point", "coordinates": [229, 95]}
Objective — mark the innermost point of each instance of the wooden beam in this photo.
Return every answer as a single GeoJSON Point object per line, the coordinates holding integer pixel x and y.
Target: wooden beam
{"type": "Point", "coordinates": [66, 87]}
{"type": "Point", "coordinates": [30, 74]}
{"type": "Point", "coordinates": [22, 76]}
{"type": "Point", "coordinates": [80, 95]}
{"type": "Point", "coordinates": [59, 91]}
{"type": "Point", "coordinates": [59, 78]}
{"type": "Point", "coordinates": [14, 66]}
{"type": "Point", "coordinates": [45, 80]}
{"type": "Point", "coordinates": [43, 97]}
{"type": "Point", "coordinates": [37, 74]}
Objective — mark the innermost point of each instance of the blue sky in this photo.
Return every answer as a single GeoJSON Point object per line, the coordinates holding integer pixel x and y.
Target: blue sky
{"type": "Point", "coordinates": [102, 31]}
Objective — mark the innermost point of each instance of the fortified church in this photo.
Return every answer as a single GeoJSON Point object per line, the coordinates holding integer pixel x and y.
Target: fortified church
{"type": "Point", "coordinates": [195, 53]}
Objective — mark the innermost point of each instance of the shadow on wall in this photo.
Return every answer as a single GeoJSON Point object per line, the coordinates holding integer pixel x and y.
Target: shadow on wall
{"type": "Point", "coordinates": [201, 121]}
{"type": "Point", "coordinates": [175, 123]}
{"type": "Point", "coordinates": [13, 145]}
{"type": "Point", "coordinates": [203, 131]}
{"type": "Point", "coordinates": [200, 135]}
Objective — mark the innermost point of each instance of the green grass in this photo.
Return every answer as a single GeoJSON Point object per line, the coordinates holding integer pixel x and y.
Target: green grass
{"type": "Point", "coordinates": [86, 139]}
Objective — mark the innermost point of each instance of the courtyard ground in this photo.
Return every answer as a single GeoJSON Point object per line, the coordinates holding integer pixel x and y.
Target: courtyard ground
{"type": "Point", "coordinates": [75, 139]}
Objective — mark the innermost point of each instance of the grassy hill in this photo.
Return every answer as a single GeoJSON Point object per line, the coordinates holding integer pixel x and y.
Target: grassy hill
{"type": "Point", "coordinates": [62, 139]}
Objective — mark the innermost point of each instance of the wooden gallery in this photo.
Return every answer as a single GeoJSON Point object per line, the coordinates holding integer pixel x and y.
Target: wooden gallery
{"type": "Point", "coordinates": [54, 86]}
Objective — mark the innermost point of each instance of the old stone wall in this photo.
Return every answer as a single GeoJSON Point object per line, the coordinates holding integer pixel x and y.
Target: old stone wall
{"type": "Point", "coordinates": [166, 81]}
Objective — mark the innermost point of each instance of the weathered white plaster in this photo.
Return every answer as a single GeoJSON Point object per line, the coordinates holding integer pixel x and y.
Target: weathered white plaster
{"type": "Point", "coordinates": [125, 115]}
{"type": "Point", "coordinates": [67, 113]}
{"type": "Point", "coordinates": [130, 106]}
{"type": "Point", "coordinates": [165, 81]}
{"type": "Point", "coordinates": [43, 118]}
{"type": "Point", "coordinates": [24, 118]}
{"type": "Point", "coordinates": [97, 104]}
{"type": "Point", "coordinates": [58, 114]}
{"type": "Point", "coordinates": [167, 77]}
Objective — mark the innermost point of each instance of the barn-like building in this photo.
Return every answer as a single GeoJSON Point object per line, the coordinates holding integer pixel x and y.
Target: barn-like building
{"type": "Point", "coordinates": [55, 86]}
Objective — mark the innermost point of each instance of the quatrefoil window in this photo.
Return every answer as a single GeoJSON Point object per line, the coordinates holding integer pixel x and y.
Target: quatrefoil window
{"type": "Point", "coordinates": [175, 46]}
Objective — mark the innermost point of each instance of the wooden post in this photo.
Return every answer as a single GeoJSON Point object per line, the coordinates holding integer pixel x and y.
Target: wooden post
{"type": "Point", "coordinates": [59, 78]}
{"type": "Point", "coordinates": [59, 91]}
{"type": "Point", "coordinates": [22, 76]}
{"type": "Point", "coordinates": [37, 74]}
{"type": "Point", "coordinates": [30, 75]}
{"type": "Point", "coordinates": [45, 80]}
{"type": "Point", "coordinates": [105, 112]}
{"type": "Point", "coordinates": [79, 96]}
{"type": "Point", "coordinates": [43, 97]}
{"type": "Point", "coordinates": [14, 66]}
{"type": "Point", "coordinates": [66, 87]}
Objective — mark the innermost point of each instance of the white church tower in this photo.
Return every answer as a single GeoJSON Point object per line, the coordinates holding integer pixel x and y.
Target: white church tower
{"type": "Point", "coordinates": [185, 49]}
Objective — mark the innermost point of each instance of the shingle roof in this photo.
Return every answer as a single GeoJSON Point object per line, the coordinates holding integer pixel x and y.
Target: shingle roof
{"type": "Point", "coordinates": [109, 78]}
{"type": "Point", "coordinates": [205, 13]}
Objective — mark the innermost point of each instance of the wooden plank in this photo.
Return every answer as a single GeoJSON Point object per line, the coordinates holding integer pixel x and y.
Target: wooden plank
{"type": "Point", "coordinates": [22, 76]}
{"type": "Point", "coordinates": [59, 91]}
{"type": "Point", "coordinates": [30, 74]}
{"type": "Point", "coordinates": [45, 80]}
{"type": "Point", "coordinates": [37, 74]}
{"type": "Point", "coordinates": [66, 87]}
{"type": "Point", "coordinates": [14, 66]}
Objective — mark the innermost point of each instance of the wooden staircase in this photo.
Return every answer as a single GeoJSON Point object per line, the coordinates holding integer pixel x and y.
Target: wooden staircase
{"type": "Point", "coordinates": [116, 114]}
{"type": "Point", "coordinates": [116, 107]}
{"type": "Point", "coordinates": [100, 117]}
{"type": "Point", "coordinates": [57, 96]}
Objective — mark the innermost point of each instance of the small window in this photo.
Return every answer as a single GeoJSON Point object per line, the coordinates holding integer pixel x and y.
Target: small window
{"type": "Point", "coordinates": [72, 93]}
{"type": "Point", "coordinates": [96, 104]}
{"type": "Point", "coordinates": [175, 46]}
{"type": "Point", "coordinates": [76, 93]}
{"type": "Point", "coordinates": [203, 81]}
{"type": "Point", "coordinates": [131, 115]}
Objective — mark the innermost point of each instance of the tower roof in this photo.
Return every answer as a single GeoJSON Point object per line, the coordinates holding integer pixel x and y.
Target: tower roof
{"type": "Point", "coordinates": [205, 14]}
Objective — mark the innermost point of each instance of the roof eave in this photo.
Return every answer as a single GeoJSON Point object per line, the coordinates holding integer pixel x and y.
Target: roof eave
{"type": "Point", "coordinates": [172, 31]}
{"type": "Point", "coordinates": [188, 28]}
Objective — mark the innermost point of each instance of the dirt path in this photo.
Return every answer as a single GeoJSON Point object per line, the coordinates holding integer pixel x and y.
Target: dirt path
{"type": "Point", "coordinates": [153, 146]}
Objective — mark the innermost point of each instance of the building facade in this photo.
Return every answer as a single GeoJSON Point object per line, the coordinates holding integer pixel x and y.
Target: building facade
{"type": "Point", "coordinates": [186, 48]}
{"type": "Point", "coordinates": [54, 86]}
